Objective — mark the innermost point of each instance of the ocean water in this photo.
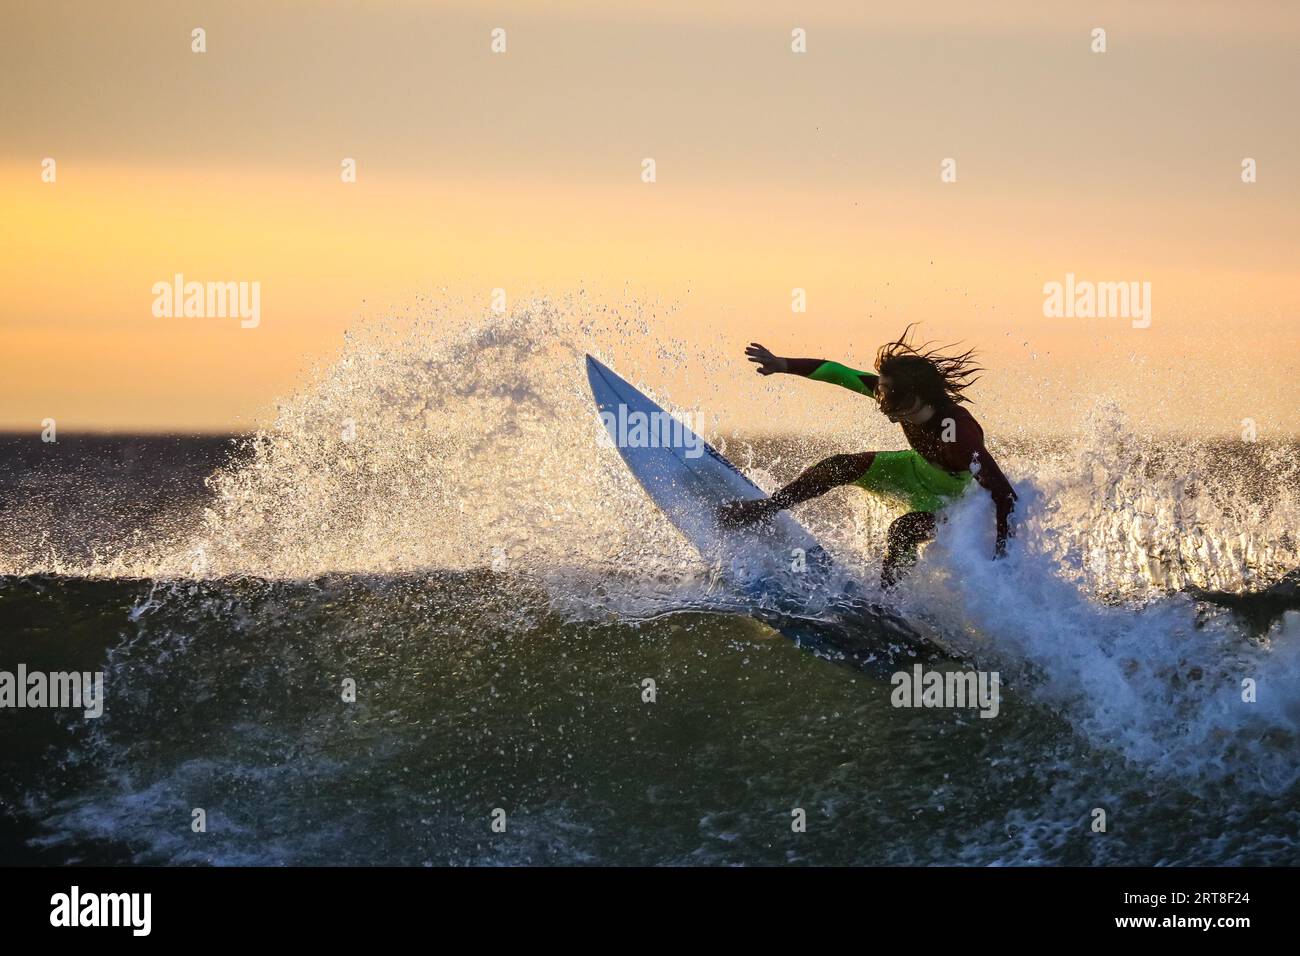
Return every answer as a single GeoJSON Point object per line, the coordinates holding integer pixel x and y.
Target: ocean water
{"type": "Point", "coordinates": [457, 543]}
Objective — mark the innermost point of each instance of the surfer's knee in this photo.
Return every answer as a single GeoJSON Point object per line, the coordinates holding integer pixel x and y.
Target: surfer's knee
{"type": "Point", "coordinates": [911, 529]}
{"type": "Point", "coordinates": [905, 534]}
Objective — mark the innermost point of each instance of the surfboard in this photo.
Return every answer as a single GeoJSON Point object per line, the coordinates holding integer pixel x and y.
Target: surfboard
{"type": "Point", "coordinates": [690, 480]}
{"type": "Point", "coordinates": [779, 565]}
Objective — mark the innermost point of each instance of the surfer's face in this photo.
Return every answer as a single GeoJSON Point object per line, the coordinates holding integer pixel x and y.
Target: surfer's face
{"type": "Point", "coordinates": [898, 406]}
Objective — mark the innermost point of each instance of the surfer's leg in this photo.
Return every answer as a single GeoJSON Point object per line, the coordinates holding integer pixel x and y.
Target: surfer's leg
{"type": "Point", "coordinates": [816, 481]}
{"type": "Point", "coordinates": [901, 542]}
{"type": "Point", "coordinates": [822, 477]}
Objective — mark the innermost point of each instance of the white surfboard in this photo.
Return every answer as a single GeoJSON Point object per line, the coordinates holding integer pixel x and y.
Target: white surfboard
{"type": "Point", "coordinates": [690, 480]}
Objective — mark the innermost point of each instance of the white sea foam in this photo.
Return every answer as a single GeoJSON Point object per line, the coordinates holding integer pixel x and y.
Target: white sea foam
{"type": "Point", "coordinates": [1160, 683]}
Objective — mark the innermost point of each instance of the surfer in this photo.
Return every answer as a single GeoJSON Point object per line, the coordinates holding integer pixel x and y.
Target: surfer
{"type": "Point", "coordinates": [922, 390]}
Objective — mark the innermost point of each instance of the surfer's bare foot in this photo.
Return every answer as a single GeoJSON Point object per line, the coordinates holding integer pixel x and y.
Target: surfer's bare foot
{"type": "Point", "coordinates": [739, 514]}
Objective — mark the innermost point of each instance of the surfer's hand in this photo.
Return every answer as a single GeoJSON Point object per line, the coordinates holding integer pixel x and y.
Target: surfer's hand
{"type": "Point", "coordinates": [1005, 530]}
{"type": "Point", "coordinates": [1000, 549]}
{"type": "Point", "coordinates": [739, 514]}
{"type": "Point", "coordinates": [768, 364]}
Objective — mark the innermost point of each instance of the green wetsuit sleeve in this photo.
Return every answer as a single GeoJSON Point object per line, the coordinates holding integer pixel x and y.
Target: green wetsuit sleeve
{"type": "Point", "coordinates": [864, 383]}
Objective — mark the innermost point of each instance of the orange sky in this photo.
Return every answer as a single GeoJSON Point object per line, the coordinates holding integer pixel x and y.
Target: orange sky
{"type": "Point", "coordinates": [775, 170]}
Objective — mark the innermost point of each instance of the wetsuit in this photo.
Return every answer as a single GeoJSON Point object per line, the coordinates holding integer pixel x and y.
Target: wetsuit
{"type": "Point", "coordinates": [947, 452]}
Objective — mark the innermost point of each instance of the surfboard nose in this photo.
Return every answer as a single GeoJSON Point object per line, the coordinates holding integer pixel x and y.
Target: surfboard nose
{"type": "Point", "coordinates": [599, 374]}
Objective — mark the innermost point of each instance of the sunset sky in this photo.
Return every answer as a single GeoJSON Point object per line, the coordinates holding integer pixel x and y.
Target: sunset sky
{"type": "Point", "coordinates": [775, 170]}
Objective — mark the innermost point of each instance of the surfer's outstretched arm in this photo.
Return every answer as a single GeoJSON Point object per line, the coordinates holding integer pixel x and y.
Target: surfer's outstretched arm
{"type": "Point", "coordinates": [819, 370]}
{"type": "Point", "coordinates": [816, 481]}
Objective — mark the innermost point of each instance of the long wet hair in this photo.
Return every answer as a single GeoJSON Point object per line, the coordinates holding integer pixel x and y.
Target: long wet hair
{"type": "Point", "coordinates": [918, 369]}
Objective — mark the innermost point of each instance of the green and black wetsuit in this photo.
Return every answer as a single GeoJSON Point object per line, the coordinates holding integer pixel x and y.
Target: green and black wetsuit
{"type": "Point", "coordinates": [947, 452]}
